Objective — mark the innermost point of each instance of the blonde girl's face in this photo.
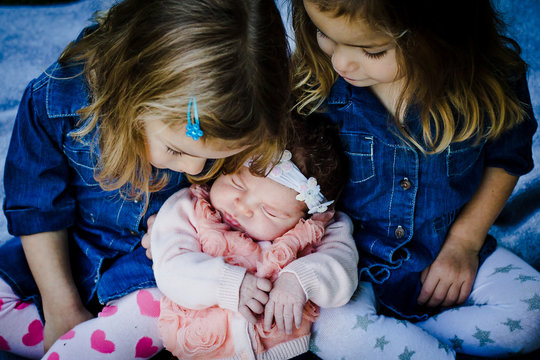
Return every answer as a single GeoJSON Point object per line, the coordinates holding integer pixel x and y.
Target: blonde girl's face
{"type": "Point", "coordinates": [362, 57]}
{"type": "Point", "coordinates": [170, 148]}
{"type": "Point", "coordinates": [258, 206]}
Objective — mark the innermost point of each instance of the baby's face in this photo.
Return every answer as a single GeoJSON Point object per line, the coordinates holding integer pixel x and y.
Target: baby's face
{"type": "Point", "coordinates": [261, 207]}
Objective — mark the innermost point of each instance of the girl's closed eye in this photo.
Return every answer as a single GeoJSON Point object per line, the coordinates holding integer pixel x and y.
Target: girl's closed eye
{"type": "Point", "coordinates": [321, 34]}
{"type": "Point", "coordinates": [376, 55]}
{"type": "Point", "coordinates": [173, 152]}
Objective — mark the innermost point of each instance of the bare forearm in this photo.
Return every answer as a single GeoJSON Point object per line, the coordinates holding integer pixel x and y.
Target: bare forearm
{"type": "Point", "coordinates": [481, 211]}
{"type": "Point", "coordinates": [48, 258]}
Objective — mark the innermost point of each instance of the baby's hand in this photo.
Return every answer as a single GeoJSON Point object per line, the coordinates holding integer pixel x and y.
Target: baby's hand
{"type": "Point", "coordinates": [145, 241]}
{"type": "Point", "coordinates": [253, 296]}
{"type": "Point", "coordinates": [287, 300]}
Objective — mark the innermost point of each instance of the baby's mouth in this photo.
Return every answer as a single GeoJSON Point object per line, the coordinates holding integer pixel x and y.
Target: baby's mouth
{"type": "Point", "coordinates": [229, 219]}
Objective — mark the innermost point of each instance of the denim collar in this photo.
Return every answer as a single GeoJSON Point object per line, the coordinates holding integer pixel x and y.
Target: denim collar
{"type": "Point", "coordinates": [340, 94]}
{"type": "Point", "coordinates": [67, 91]}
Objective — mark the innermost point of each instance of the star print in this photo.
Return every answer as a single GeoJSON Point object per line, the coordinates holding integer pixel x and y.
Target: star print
{"type": "Point", "coordinates": [483, 336]}
{"type": "Point", "coordinates": [534, 302]}
{"type": "Point", "coordinates": [456, 343]}
{"type": "Point", "coordinates": [444, 346]}
{"type": "Point", "coordinates": [406, 354]}
{"type": "Point", "coordinates": [381, 342]}
{"type": "Point", "coordinates": [363, 322]}
{"type": "Point", "coordinates": [513, 324]}
{"type": "Point", "coordinates": [522, 278]}
{"type": "Point", "coordinates": [505, 269]}
{"type": "Point", "coordinates": [403, 322]}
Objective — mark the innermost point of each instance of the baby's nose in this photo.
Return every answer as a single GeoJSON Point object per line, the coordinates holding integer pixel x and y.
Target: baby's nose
{"type": "Point", "coordinates": [243, 207]}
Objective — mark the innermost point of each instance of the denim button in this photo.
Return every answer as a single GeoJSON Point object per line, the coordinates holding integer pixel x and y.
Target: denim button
{"type": "Point", "coordinates": [405, 184]}
{"type": "Point", "coordinates": [133, 232]}
{"type": "Point", "coordinates": [400, 232]}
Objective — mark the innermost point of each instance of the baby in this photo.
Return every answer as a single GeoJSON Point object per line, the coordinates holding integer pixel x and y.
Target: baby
{"type": "Point", "coordinates": [243, 261]}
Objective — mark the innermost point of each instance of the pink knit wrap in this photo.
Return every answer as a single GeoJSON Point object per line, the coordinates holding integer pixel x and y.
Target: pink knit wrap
{"type": "Point", "coordinates": [207, 334]}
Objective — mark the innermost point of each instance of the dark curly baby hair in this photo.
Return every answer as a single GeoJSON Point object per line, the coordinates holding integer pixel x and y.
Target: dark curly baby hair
{"type": "Point", "coordinates": [317, 151]}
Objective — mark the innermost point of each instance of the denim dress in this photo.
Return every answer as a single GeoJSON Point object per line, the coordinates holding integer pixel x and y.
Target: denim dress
{"type": "Point", "coordinates": [49, 185]}
{"type": "Point", "coordinates": [403, 201]}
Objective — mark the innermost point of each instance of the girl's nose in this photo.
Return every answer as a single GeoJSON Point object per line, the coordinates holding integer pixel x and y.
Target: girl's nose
{"type": "Point", "coordinates": [342, 61]}
{"type": "Point", "coordinates": [193, 166]}
{"type": "Point", "coordinates": [243, 207]}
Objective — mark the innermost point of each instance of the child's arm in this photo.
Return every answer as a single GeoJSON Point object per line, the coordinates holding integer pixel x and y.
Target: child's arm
{"type": "Point", "coordinates": [48, 258]}
{"type": "Point", "coordinates": [192, 278]}
{"type": "Point", "coordinates": [327, 277]}
{"type": "Point", "coordinates": [449, 279]}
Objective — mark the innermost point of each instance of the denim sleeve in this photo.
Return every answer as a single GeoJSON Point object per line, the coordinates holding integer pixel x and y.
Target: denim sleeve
{"type": "Point", "coordinates": [36, 174]}
{"type": "Point", "coordinates": [512, 151]}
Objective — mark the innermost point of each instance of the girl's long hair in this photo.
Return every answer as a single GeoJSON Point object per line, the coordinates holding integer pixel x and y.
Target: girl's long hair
{"type": "Point", "coordinates": [146, 58]}
{"type": "Point", "coordinates": [459, 67]}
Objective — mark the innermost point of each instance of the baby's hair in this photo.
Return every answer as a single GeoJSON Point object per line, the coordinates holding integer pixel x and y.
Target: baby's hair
{"type": "Point", "coordinates": [316, 150]}
{"type": "Point", "coordinates": [459, 66]}
{"type": "Point", "coordinates": [147, 58]}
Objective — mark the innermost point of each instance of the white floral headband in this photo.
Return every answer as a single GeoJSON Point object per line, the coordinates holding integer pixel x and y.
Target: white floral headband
{"type": "Point", "coordinates": [287, 173]}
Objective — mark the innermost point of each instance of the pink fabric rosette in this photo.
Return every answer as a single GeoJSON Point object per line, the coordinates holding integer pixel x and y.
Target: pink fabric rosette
{"type": "Point", "coordinates": [195, 334]}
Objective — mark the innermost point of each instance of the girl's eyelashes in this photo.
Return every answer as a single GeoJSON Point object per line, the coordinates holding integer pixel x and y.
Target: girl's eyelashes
{"type": "Point", "coordinates": [376, 55]}
{"type": "Point", "coordinates": [321, 34]}
{"type": "Point", "coordinates": [173, 152]}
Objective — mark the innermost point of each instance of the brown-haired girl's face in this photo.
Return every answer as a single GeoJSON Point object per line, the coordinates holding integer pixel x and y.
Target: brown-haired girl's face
{"type": "Point", "coordinates": [170, 148]}
{"type": "Point", "coordinates": [361, 56]}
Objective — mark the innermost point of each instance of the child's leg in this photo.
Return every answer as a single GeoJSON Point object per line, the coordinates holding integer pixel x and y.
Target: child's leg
{"type": "Point", "coordinates": [502, 314]}
{"type": "Point", "coordinates": [355, 331]}
{"type": "Point", "coordinates": [127, 328]}
{"type": "Point", "coordinates": [21, 330]}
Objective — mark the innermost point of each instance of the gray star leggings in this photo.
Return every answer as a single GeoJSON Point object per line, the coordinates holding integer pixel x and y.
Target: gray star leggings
{"type": "Point", "coordinates": [500, 318]}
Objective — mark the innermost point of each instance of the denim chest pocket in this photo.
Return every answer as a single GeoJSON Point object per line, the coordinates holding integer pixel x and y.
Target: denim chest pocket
{"type": "Point", "coordinates": [82, 162]}
{"type": "Point", "coordinates": [460, 157]}
{"type": "Point", "coordinates": [359, 150]}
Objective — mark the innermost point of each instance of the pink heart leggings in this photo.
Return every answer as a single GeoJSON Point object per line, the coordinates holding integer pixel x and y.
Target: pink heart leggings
{"type": "Point", "coordinates": [126, 328]}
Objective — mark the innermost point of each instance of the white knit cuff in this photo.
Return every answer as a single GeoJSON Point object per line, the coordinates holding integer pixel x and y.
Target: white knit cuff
{"type": "Point", "coordinates": [229, 287]}
{"type": "Point", "coordinates": [305, 275]}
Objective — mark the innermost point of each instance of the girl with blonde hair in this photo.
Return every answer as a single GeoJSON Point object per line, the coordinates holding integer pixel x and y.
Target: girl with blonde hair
{"type": "Point", "coordinates": [436, 117]}
{"type": "Point", "coordinates": [131, 110]}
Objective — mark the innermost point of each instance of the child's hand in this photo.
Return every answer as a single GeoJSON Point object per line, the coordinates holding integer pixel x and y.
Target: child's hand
{"type": "Point", "coordinates": [145, 241]}
{"type": "Point", "coordinates": [286, 304]}
{"type": "Point", "coordinates": [449, 279]}
{"type": "Point", "coordinates": [253, 296]}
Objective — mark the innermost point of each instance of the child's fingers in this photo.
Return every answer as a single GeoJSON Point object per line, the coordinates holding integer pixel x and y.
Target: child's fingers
{"type": "Point", "coordinates": [465, 291]}
{"type": "Point", "coordinates": [264, 284]}
{"type": "Point", "coordinates": [427, 289]}
{"type": "Point", "coordinates": [278, 316]}
{"type": "Point", "coordinates": [261, 297]}
{"type": "Point", "coordinates": [150, 221]}
{"type": "Point", "coordinates": [439, 294]}
{"type": "Point", "coordinates": [268, 315]}
{"type": "Point", "coordinates": [452, 295]}
{"type": "Point", "coordinates": [288, 318]}
{"type": "Point", "coordinates": [247, 314]}
{"type": "Point", "coordinates": [298, 310]}
{"type": "Point", "coordinates": [255, 306]}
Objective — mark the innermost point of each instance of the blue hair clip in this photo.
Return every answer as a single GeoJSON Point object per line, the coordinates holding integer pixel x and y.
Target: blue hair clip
{"type": "Point", "coordinates": [192, 129]}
